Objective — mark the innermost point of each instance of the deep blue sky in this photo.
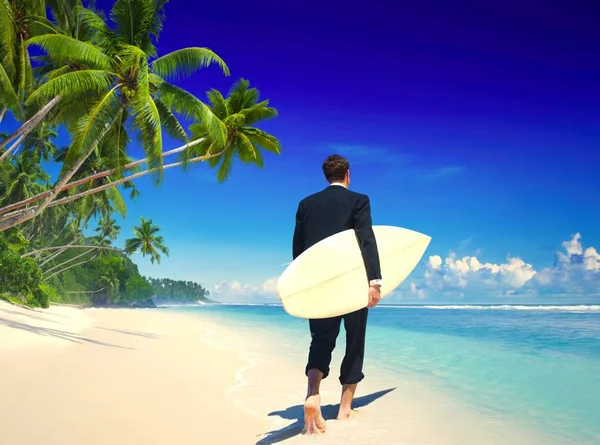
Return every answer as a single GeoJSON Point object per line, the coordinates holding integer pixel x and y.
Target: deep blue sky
{"type": "Point", "coordinates": [476, 124]}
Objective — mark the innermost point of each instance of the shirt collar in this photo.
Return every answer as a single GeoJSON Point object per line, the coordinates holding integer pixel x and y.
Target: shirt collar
{"type": "Point", "coordinates": [338, 184]}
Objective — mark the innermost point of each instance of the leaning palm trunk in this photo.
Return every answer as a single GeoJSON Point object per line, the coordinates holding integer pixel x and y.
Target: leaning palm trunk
{"type": "Point", "coordinates": [71, 266]}
{"type": "Point", "coordinates": [131, 165]}
{"type": "Point", "coordinates": [18, 213]}
{"type": "Point", "coordinates": [2, 113]}
{"type": "Point", "coordinates": [87, 291]}
{"type": "Point", "coordinates": [128, 178]}
{"type": "Point", "coordinates": [56, 254]}
{"type": "Point", "coordinates": [28, 126]}
{"type": "Point", "coordinates": [66, 262]}
{"type": "Point", "coordinates": [71, 247]}
{"type": "Point", "coordinates": [30, 213]}
{"type": "Point", "coordinates": [12, 148]}
{"type": "Point", "coordinates": [93, 177]}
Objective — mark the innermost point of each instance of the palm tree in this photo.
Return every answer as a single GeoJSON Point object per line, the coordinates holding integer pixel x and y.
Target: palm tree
{"type": "Point", "coordinates": [17, 23]}
{"type": "Point", "coordinates": [239, 112]}
{"type": "Point", "coordinates": [41, 139]}
{"type": "Point", "coordinates": [26, 178]}
{"type": "Point", "coordinates": [21, 22]}
{"type": "Point", "coordinates": [128, 83]}
{"type": "Point", "coordinates": [108, 229]}
{"type": "Point", "coordinates": [146, 241]}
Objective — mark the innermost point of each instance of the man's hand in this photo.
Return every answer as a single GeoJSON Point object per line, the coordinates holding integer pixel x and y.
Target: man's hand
{"type": "Point", "coordinates": [374, 295]}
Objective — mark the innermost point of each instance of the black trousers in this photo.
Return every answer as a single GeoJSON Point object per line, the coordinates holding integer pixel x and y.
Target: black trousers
{"type": "Point", "coordinates": [324, 333]}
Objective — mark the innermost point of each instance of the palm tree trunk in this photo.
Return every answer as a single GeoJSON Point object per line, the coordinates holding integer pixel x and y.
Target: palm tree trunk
{"type": "Point", "coordinates": [54, 255]}
{"type": "Point", "coordinates": [16, 214]}
{"type": "Point", "coordinates": [33, 212]}
{"type": "Point", "coordinates": [26, 128]}
{"type": "Point", "coordinates": [105, 173]}
{"type": "Point", "coordinates": [12, 148]}
{"type": "Point", "coordinates": [87, 291]}
{"type": "Point", "coordinates": [71, 266]}
{"type": "Point", "coordinates": [66, 262]}
{"type": "Point", "coordinates": [70, 247]}
{"type": "Point", "coordinates": [93, 177]}
{"type": "Point", "coordinates": [128, 178]}
{"type": "Point", "coordinates": [2, 113]}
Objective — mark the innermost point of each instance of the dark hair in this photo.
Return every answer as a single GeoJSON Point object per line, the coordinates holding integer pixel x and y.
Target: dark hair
{"type": "Point", "coordinates": [335, 168]}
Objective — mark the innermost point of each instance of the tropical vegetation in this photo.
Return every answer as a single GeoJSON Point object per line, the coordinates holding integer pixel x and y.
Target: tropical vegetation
{"type": "Point", "coordinates": [67, 66]}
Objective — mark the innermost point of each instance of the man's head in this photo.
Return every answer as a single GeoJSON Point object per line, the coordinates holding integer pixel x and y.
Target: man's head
{"type": "Point", "coordinates": [337, 169]}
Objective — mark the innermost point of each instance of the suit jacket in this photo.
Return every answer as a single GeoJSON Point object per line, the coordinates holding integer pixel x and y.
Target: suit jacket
{"type": "Point", "coordinates": [334, 210]}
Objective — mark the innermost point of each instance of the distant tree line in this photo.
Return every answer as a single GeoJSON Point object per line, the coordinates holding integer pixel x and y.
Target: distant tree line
{"type": "Point", "coordinates": [167, 290]}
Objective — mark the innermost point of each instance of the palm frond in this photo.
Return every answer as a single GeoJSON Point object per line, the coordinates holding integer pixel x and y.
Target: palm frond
{"type": "Point", "coordinates": [113, 148]}
{"type": "Point", "coordinates": [8, 38]}
{"type": "Point", "coordinates": [39, 25]}
{"type": "Point", "coordinates": [225, 168]}
{"type": "Point", "coordinates": [185, 62]}
{"type": "Point", "coordinates": [95, 27]}
{"type": "Point", "coordinates": [26, 72]}
{"type": "Point", "coordinates": [246, 150]}
{"type": "Point", "coordinates": [170, 123]}
{"type": "Point", "coordinates": [217, 101]}
{"type": "Point", "coordinates": [64, 49]}
{"type": "Point", "coordinates": [8, 96]}
{"type": "Point", "coordinates": [241, 97]}
{"type": "Point", "coordinates": [147, 120]}
{"type": "Point", "coordinates": [259, 112]}
{"type": "Point", "coordinates": [117, 201]}
{"type": "Point", "coordinates": [90, 128]}
{"type": "Point", "coordinates": [138, 21]}
{"type": "Point", "coordinates": [74, 84]}
{"type": "Point", "coordinates": [263, 139]}
{"type": "Point", "coordinates": [35, 7]}
{"type": "Point", "coordinates": [185, 103]}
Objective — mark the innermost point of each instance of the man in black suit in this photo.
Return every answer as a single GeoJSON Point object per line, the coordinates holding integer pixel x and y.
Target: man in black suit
{"type": "Point", "coordinates": [320, 215]}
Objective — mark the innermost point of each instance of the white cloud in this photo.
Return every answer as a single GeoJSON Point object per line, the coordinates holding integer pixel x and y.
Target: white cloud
{"type": "Point", "coordinates": [235, 292]}
{"type": "Point", "coordinates": [576, 271]}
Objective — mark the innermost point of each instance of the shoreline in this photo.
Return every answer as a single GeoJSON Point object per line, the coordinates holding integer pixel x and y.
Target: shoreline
{"type": "Point", "coordinates": [399, 408]}
{"type": "Point", "coordinates": [185, 376]}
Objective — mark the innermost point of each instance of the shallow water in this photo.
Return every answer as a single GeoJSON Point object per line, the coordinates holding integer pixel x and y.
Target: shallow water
{"type": "Point", "coordinates": [532, 366]}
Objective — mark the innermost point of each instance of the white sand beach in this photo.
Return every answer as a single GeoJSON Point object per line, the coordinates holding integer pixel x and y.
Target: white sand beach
{"type": "Point", "coordinates": [114, 376]}
{"type": "Point", "coordinates": [154, 376]}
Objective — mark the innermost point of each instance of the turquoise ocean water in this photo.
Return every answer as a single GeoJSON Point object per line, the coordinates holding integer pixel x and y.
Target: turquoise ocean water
{"type": "Point", "coordinates": [538, 365]}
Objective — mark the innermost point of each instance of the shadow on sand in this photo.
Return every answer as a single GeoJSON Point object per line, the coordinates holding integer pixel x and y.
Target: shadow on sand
{"type": "Point", "coordinates": [29, 315]}
{"type": "Point", "coordinates": [135, 333]}
{"type": "Point", "coordinates": [297, 413]}
{"type": "Point", "coordinates": [63, 335]}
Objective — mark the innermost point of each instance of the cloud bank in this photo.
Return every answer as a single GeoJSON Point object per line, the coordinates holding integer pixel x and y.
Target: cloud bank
{"type": "Point", "coordinates": [575, 273]}
{"type": "Point", "coordinates": [235, 292]}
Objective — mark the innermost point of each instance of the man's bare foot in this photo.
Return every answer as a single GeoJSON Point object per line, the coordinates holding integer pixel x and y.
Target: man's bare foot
{"type": "Point", "coordinates": [347, 415]}
{"type": "Point", "coordinates": [314, 423]}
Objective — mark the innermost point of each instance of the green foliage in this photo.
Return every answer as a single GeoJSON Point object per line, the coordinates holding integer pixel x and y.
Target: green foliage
{"type": "Point", "coordinates": [239, 112]}
{"type": "Point", "coordinates": [20, 277]}
{"type": "Point", "coordinates": [167, 290]}
{"type": "Point", "coordinates": [146, 241]}
{"type": "Point", "coordinates": [52, 294]}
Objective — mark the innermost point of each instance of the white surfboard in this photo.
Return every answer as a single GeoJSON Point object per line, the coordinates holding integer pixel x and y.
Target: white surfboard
{"type": "Point", "coordinates": [329, 278]}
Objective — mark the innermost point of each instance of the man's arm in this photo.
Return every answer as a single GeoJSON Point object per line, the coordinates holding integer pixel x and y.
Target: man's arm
{"type": "Point", "coordinates": [298, 241]}
{"type": "Point", "coordinates": [363, 227]}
